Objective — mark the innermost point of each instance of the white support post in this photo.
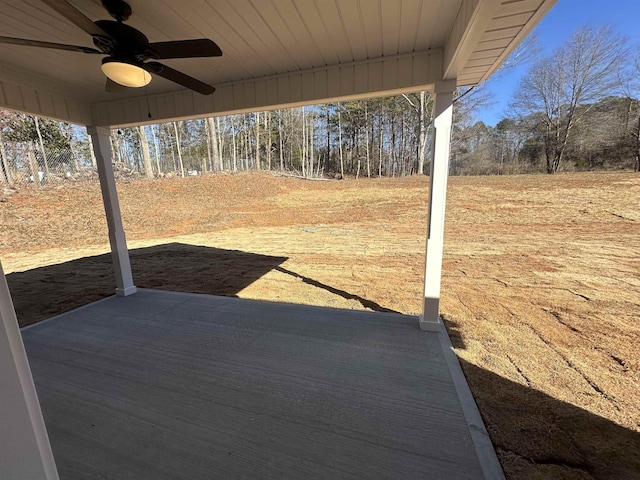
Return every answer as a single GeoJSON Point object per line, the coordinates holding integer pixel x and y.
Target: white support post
{"type": "Point", "coordinates": [117, 239]}
{"type": "Point", "coordinates": [25, 451]}
{"type": "Point", "coordinates": [442, 119]}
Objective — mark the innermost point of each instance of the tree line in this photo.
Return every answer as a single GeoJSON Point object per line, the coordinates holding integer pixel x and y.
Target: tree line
{"type": "Point", "coordinates": [374, 137]}
{"type": "Point", "coordinates": [575, 109]}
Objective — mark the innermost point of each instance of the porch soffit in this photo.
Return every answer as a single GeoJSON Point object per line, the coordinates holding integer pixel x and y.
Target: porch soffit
{"type": "Point", "coordinates": [276, 53]}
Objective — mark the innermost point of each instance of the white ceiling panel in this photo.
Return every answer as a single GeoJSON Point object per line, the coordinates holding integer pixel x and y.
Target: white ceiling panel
{"type": "Point", "coordinates": [269, 40]}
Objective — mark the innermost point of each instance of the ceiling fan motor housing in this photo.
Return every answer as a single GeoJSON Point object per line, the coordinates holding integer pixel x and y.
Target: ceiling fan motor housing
{"type": "Point", "coordinates": [126, 42]}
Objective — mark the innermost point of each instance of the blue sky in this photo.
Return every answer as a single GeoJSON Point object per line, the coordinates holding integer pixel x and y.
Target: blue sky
{"type": "Point", "coordinates": [565, 17]}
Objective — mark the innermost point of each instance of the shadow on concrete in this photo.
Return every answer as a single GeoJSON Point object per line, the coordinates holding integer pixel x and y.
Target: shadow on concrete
{"type": "Point", "coordinates": [46, 291]}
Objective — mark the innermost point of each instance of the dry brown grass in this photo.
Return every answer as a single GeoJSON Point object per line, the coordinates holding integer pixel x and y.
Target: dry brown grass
{"type": "Point", "coordinates": [541, 282]}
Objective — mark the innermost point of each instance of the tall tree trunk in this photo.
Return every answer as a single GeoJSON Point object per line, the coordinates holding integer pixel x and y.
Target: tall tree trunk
{"type": "Point", "coordinates": [340, 144]}
{"type": "Point", "coordinates": [247, 147]}
{"type": "Point", "coordinates": [393, 155]}
{"type": "Point", "coordinates": [146, 155]}
{"type": "Point", "coordinates": [220, 134]}
{"type": "Point", "coordinates": [380, 140]}
{"type": "Point", "coordinates": [215, 150]}
{"type": "Point", "coordinates": [561, 138]}
{"type": "Point", "coordinates": [423, 133]}
{"type": "Point", "coordinates": [328, 160]}
{"type": "Point", "coordinates": [257, 122]}
{"type": "Point", "coordinates": [267, 127]}
{"type": "Point", "coordinates": [208, 136]}
{"type": "Point", "coordinates": [311, 141]}
{"type": "Point", "coordinates": [6, 173]}
{"type": "Point", "coordinates": [115, 147]}
{"type": "Point", "coordinates": [637, 145]}
{"type": "Point", "coordinates": [402, 144]}
{"type": "Point", "coordinates": [74, 154]}
{"type": "Point", "coordinates": [33, 164]}
{"type": "Point", "coordinates": [175, 129]}
{"type": "Point", "coordinates": [42, 151]}
{"type": "Point", "coordinates": [281, 141]}
{"type": "Point", "coordinates": [304, 144]}
{"type": "Point", "coordinates": [173, 157]}
{"type": "Point", "coordinates": [156, 149]}
{"type": "Point", "coordinates": [235, 150]}
{"type": "Point", "coordinates": [366, 140]}
{"type": "Point", "coordinates": [91, 153]}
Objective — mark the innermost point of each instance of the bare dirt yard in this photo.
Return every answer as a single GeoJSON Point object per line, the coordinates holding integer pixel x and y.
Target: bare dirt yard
{"type": "Point", "coordinates": [540, 294]}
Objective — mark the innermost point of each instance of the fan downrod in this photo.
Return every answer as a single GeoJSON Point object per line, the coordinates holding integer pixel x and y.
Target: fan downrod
{"type": "Point", "coordinates": [118, 9]}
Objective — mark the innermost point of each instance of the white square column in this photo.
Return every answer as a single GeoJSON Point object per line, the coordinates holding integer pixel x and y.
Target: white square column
{"type": "Point", "coordinates": [442, 121]}
{"type": "Point", "coordinates": [117, 239]}
{"type": "Point", "coordinates": [25, 451]}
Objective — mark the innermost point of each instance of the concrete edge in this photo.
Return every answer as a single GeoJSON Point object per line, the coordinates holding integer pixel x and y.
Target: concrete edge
{"type": "Point", "coordinates": [489, 463]}
{"type": "Point", "coordinates": [258, 300]}
{"type": "Point", "coordinates": [192, 295]}
{"type": "Point", "coordinates": [81, 307]}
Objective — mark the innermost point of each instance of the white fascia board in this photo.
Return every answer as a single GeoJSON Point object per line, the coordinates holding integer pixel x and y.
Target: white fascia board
{"type": "Point", "coordinates": [468, 28]}
{"type": "Point", "coordinates": [535, 19]}
{"type": "Point", "coordinates": [369, 78]}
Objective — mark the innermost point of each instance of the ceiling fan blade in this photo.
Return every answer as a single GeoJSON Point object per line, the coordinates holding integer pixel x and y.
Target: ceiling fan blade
{"type": "Point", "coordinates": [114, 87]}
{"type": "Point", "coordinates": [76, 17]}
{"type": "Point", "coordinates": [36, 43]}
{"type": "Point", "coordinates": [202, 47]}
{"type": "Point", "coordinates": [179, 78]}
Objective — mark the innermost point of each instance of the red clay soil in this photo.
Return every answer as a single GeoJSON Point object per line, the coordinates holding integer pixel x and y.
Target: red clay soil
{"type": "Point", "coordinates": [540, 292]}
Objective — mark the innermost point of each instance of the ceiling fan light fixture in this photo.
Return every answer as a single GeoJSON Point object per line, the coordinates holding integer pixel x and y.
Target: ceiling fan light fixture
{"type": "Point", "coordinates": [125, 73]}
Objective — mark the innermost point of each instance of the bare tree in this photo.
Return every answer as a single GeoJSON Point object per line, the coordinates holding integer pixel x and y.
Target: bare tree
{"type": "Point", "coordinates": [215, 147]}
{"type": "Point", "coordinates": [340, 143]}
{"type": "Point", "coordinates": [42, 150]}
{"type": "Point", "coordinates": [631, 88]}
{"type": "Point", "coordinates": [146, 155]}
{"type": "Point", "coordinates": [220, 134]}
{"type": "Point", "coordinates": [257, 125]}
{"type": "Point", "coordinates": [175, 129]}
{"type": "Point", "coordinates": [581, 72]}
{"type": "Point", "coordinates": [6, 173]}
{"type": "Point", "coordinates": [421, 104]}
{"type": "Point", "coordinates": [267, 127]}
{"type": "Point", "coordinates": [33, 164]}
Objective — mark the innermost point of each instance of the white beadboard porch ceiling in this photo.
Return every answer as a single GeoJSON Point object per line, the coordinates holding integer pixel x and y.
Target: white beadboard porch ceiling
{"type": "Point", "coordinates": [275, 52]}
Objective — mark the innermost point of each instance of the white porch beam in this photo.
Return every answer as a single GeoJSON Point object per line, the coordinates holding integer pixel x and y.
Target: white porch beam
{"type": "Point", "coordinates": [17, 92]}
{"type": "Point", "coordinates": [442, 120]}
{"type": "Point", "coordinates": [117, 239]}
{"type": "Point", "coordinates": [388, 75]}
{"type": "Point", "coordinates": [25, 451]}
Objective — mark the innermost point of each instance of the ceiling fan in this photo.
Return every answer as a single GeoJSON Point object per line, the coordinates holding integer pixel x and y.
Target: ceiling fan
{"type": "Point", "coordinates": [130, 57]}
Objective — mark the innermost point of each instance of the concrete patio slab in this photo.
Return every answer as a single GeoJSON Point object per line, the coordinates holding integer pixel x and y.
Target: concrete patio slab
{"type": "Point", "coordinates": [166, 385]}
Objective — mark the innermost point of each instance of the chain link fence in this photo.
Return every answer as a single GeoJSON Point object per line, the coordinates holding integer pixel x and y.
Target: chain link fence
{"type": "Point", "coordinates": [26, 163]}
